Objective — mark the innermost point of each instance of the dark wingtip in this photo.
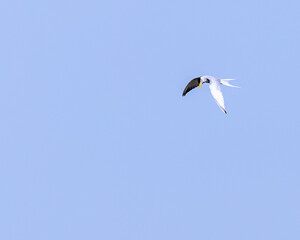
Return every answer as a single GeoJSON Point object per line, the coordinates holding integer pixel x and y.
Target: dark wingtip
{"type": "Point", "coordinates": [185, 91]}
{"type": "Point", "coordinates": [225, 112]}
{"type": "Point", "coordinates": [191, 85]}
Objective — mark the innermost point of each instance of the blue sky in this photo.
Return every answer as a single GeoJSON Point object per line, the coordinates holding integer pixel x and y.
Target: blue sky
{"type": "Point", "coordinates": [98, 143]}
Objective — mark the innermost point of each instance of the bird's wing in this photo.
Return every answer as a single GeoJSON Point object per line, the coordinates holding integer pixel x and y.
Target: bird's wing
{"type": "Point", "coordinates": [215, 89]}
{"type": "Point", "coordinates": [192, 84]}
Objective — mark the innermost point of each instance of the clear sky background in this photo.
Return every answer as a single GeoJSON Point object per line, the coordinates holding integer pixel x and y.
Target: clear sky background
{"type": "Point", "coordinates": [98, 143]}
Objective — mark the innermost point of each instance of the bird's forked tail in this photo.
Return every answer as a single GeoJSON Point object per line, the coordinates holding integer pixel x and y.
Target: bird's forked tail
{"type": "Point", "coordinates": [226, 83]}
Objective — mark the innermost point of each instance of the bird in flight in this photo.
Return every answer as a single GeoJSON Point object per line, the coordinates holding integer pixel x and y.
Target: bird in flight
{"type": "Point", "coordinates": [214, 86]}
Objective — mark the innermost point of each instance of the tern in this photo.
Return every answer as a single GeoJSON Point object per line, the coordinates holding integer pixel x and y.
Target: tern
{"type": "Point", "coordinates": [214, 86]}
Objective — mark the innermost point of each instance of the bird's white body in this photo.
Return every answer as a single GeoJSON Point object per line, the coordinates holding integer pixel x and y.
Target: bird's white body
{"type": "Point", "coordinates": [215, 89]}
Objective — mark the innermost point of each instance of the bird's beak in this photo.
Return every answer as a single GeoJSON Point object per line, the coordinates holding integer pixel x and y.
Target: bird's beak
{"type": "Point", "coordinates": [200, 85]}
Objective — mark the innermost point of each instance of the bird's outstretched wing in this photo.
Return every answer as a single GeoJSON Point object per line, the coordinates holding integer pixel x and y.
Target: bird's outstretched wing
{"type": "Point", "coordinates": [192, 84]}
{"type": "Point", "coordinates": [215, 90]}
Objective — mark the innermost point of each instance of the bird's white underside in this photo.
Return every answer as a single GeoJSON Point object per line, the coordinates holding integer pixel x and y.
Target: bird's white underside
{"type": "Point", "coordinates": [215, 89]}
